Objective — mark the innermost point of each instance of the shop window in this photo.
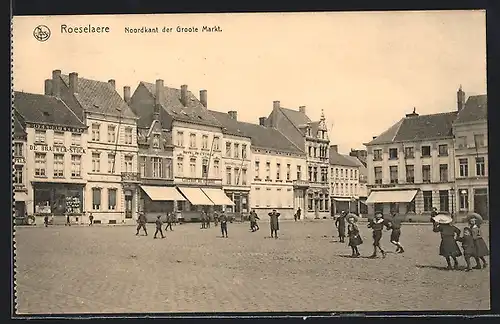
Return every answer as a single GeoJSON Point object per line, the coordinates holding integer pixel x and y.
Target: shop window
{"type": "Point", "coordinates": [444, 200]}
{"type": "Point", "coordinates": [427, 201]}
{"type": "Point", "coordinates": [410, 207]}
{"type": "Point", "coordinates": [96, 198]}
{"type": "Point", "coordinates": [111, 199]}
{"type": "Point", "coordinates": [310, 202]}
{"type": "Point", "coordinates": [379, 208]}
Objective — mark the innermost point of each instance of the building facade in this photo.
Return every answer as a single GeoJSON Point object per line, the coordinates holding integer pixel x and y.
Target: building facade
{"type": "Point", "coordinates": [53, 176]}
{"type": "Point", "coordinates": [411, 166]}
{"type": "Point", "coordinates": [312, 138]}
{"type": "Point", "coordinates": [19, 152]}
{"type": "Point", "coordinates": [111, 161]}
{"type": "Point", "coordinates": [344, 182]}
{"type": "Point", "coordinates": [471, 155]}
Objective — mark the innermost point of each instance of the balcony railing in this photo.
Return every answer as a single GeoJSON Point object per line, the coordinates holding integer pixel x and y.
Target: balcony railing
{"type": "Point", "coordinates": [131, 177]}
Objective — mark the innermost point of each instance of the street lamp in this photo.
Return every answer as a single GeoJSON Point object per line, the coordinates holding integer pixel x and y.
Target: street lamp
{"type": "Point", "coordinates": [452, 193]}
{"type": "Point", "coordinates": [464, 193]}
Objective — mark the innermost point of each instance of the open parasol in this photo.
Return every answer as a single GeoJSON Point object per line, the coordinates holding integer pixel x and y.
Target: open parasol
{"type": "Point", "coordinates": [478, 217]}
{"type": "Point", "coordinates": [442, 219]}
{"type": "Point", "coordinates": [353, 216]}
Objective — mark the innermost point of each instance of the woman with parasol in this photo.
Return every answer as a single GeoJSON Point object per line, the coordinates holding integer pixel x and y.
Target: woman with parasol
{"type": "Point", "coordinates": [449, 233]}
{"type": "Point", "coordinates": [353, 234]}
{"type": "Point", "coordinates": [481, 249]}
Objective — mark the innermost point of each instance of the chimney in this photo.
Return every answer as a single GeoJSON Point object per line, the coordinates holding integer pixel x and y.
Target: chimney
{"type": "Point", "coordinates": [233, 114]}
{"type": "Point", "coordinates": [413, 114]}
{"type": "Point", "coordinates": [112, 83]}
{"type": "Point", "coordinates": [262, 121]}
{"type": "Point", "coordinates": [203, 98]}
{"type": "Point", "coordinates": [126, 94]}
{"type": "Point", "coordinates": [48, 87]}
{"type": "Point", "coordinates": [334, 148]}
{"type": "Point", "coordinates": [276, 104]}
{"type": "Point", "coordinates": [184, 95]}
{"type": "Point", "coordinates": [56, 83]}
{"type": "Point", "coordinates": [374, 137]}
{"type": "Point", "coordinates": [73, 82]}
{"type": "Point", "coordinates": [302, 109]}
{"type": "Point", "coordinates": [158, 98]}
{"type": "Point", "coordinates": [274, 115]}
{"type": "Point", "coordinates": [460, 98]}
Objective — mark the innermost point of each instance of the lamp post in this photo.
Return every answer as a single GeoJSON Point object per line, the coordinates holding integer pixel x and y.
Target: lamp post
{"type": "Point", "coordinates": [452, 193]}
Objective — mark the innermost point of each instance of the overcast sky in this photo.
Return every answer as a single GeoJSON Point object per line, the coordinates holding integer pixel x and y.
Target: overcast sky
{"type": "Point", "coordinates": [365, 70]}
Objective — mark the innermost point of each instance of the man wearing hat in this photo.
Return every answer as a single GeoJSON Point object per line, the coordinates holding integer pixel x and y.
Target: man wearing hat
{"type": "Point", "coordinates": [141, 220]}
{"type": "Point", "coordinates": [275, 226]}
{"type": "Point", "coordinates": [377, 224]}
{"type": "Point", "coordinates": [340, 224]}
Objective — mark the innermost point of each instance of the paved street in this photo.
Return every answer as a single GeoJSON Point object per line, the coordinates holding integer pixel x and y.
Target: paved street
{"type": "Point", "coordinates": [107, 269]}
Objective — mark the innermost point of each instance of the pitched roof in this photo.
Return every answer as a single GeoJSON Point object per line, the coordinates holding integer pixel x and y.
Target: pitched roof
{"type": "Point", "coordinates": [37, 108]}
{"type": "Point", "coordinates": [261, 136]}
{"type": "Point", "coordinates": [476, 109]}
{"type": "Point", "coordinates": [100, 97]}
{"type": "Point", "coordinates": [340, 159]}
{"type": "Point", "coordinates": [362, 168]}
{"type": "Point", "coordinates": [296, 117]}
{"type": "Point", "coordinates": [18, 124]}
{"type": "Point", "coordinates": [195, 112]}
{"type": "Point", "coordinates": [417, 128]}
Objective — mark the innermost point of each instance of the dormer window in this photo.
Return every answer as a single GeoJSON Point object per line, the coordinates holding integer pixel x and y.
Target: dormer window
{"type": "Point", "coordinates": [156, 140]}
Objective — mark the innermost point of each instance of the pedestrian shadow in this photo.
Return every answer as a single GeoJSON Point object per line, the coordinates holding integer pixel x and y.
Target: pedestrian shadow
{"type": "Point", "coordinates": [435, 267]}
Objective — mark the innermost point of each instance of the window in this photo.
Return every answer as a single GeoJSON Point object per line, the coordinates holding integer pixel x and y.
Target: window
{"type": "Point", "coordinates": [129, 159]}
{"type": "Point", "coordinates": [157, 167]}
{"type": "Point", "coordinates": [142, 166]}
{"type": "Point", "coordinates": [355, 174]}
{"type": "Point", "coordinates": [111, 163]}
{"type": "Point", "coordinates": [216, 143]}
{"type": "Point", "coordinates": [40, 136]}
{"type": "Point", "coordinates": [310, 173]}
{"type": "Point", "coordinates": [393, 173]}
{"type": "Point", "coordinates": [410, 174]}
{"type": "Point", "coordinates": [463, 167]}
{"type": "Point", "coordinates": [315, 174]}
{"type": "Point", "coordinates": [410, 207]}
{"type": "Point", "coordinates": [18, 149]}
{"type": "Point", "coordinates": [76, 139]}
{"type": "Point", "coordinates": [58, 165]}
{"type": "Point", "coordinates": [479, 140]}
{"type": "Point", "coordinates": [96, 162]}
{"type": "Point", "coordinates": [288, 171]}
{"type": "Point", "coordinates": [379, 208]}
{"type": "Point", "coordinates": [96, 198]}
{"type": "Point", "coordinates": [324, 174]}
{"type": "Point", "coordinates": [237, 150]}
{"type": "Point", "coordinates": [40, 164]}
{"type": "Point", "coordinates": [443, 172]}
{"type": "Point", "coordinates": [394, 208]}
{"type": "Point", "coordinates": [228, 149]}
{"type": "Point", "coordinates": [180, 165]}
{"type": "Point", "coordinates": [76, 166]}
{"type": "Point", "coordinates": [278, 171]}
{"type": "Point", "coordinates": [204, 168]}
{"type": "Point", "coordinates": [342, 189]}
{"type": "Point", "coordinates": [355, 189]}
{"type": "Point", "coordinates": [480, 169]}
{"type": "Point", "coordinates": [111, 199]}
{"type": "Point", "coordinates": [342, 173]}
{"type": "Point", "coordinates": [337, 186]}
{"type": "Point", "coordinates": [377, 155]}
{"type": "Point", "coordinates": [111, 133]}
{"type": "Point", "coordinates": [179, 139]}
{"type": "Point", "coordinates": [443, 150]}
{"type": "Point", "coordinates": [309, 202]}
{"type": "Point", "coordinates": [236, 176]}
{"type": "Point", "coordinates": [352, 174]}
{"type": "Point", "coordinates": [378, 175]}
{"type": "Point", "coordinates": [409, 153]}
{"type": "Point", "coordinates": [216, 168]}
{"type": "Point", "coordinates": [192, 167]}
{"type": "Point", "coordinates": [228, 175]}
{"type": "Point", "coordinates": [310, 151]}
{"type": "Point", "coordinates": [336, 173]}
{"type": "Point", "coordinates": [58, 138]}
{"type": "Point", "coordinates": [167, 172]}
{"type": "Point", "coordinates": [464, 199]}
{"type": "Point", "coordinates": [96, 132]}
{"type": "Point", "coordinates": [204, 142]}
{"type": "Point", "coordinates": [443, 200]}
{"type": "Point", "coordinates": [426, 173]}
{"type": "Point", "coordinates": [393, 154]}
{"type": "Point", "coordinates": [461, 142]}
{"type": "Point", "coordinates": [18, 174]}
{"type": "Point", "coordinates": [268, 170]}
{"type": "Point", "coordinates": [299, 172]}
{"type": "Point", "coordinates": [257, 169]}
{"type": "Point", "coordinates": [426, 151]}
{"type": "Point", "coordinates": [243, 151]}
{"type": "Point", "coordinates": [427, 201]}
{"type": "Point", "coordinates": [192, 140]}
{"type": "Point", "coordinates": [156, 140]}
{"type": "Point", "coordinates": [128, 135]}
{"type": "Point", "coordinates": [244, 177]}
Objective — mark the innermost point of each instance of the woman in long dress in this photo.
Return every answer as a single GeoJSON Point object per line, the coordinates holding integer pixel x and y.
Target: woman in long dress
{"type": "Point", "coordinates": [448, 248]}
{"type": "Point", "coordinates": [481, 249]}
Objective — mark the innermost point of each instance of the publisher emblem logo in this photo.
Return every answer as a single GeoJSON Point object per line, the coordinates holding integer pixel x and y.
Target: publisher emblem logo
{"type": "Point", "coordinates": [41, 33]}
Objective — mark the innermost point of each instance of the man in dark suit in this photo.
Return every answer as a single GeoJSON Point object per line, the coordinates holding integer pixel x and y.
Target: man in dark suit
{"type": "Point", "coordinates": [275, 226]}
{"type": "Point", "coordinates": [141, 223]}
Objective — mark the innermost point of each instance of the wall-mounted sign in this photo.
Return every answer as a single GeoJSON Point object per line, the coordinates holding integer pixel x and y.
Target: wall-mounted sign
{"type": "Point", "coordinates": [19, 160]}
{"type": "Point", "coordinates": [57, 128]}
{"type": "Point", "coordinates": [57, 149]}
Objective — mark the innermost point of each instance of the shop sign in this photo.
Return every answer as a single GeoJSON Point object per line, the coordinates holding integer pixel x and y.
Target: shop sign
{"type": "Point", "coordinates": [57, 149]}
{"type": "Point", "coordinates": [19, 160]}
{"type": "Point", "coordinates": [57, 128]}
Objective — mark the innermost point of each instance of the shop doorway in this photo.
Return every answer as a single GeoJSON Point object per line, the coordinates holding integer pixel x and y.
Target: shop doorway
{"type": "Point", "coordinates": [20, 208]}
{"type": "Point", "coordinates": [481, 202]}
{"type": "Point", "coordinates": [128, 204]}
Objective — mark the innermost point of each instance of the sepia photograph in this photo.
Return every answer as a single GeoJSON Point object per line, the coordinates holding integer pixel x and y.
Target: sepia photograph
{"type": "Point", "coordinates": [250, 162]}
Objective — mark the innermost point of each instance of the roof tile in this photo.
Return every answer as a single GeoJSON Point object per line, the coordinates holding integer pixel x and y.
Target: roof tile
{"type": "Point", "coordinates": [476, 109]}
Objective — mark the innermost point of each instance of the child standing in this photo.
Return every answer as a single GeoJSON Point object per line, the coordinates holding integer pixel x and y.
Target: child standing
{"type": "Point", "coordinates": [353, 234]}
{"type": "Point", "coordinates": [467, 246]}
{"type": "Point", "coordinates": [479, 244]}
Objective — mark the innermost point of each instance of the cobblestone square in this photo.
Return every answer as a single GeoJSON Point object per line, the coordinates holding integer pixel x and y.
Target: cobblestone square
{"type": "Point", "coordinates": [105, 269]}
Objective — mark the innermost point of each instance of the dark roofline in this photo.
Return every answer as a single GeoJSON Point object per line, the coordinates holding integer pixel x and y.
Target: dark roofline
{"type": "Point", "coordinates": [412, 141]}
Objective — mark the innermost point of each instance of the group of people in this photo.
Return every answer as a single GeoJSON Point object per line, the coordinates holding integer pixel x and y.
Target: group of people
{"type": "Point", "coordinates": [142, 220]}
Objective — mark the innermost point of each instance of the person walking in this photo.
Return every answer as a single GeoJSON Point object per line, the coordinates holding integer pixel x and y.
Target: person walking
{"type": "Point", "coordinates": [253, 221]}
{"type": "Point", "coordinates": [298, 213]}
{"type": "Point", "coordinates": [434, 213]}
{"type": "Point", "coordinates": [216, 218]}
{"type": "Point", "coordinates": [46, 220]}
{"type": "Point", "coordinates": [91, 219]}
{"type": "Point", "coordinates": [68, 221]}
{"type": "Point", "coordinates": [202, 218]}
{"type": "Point", "coordinates": [448, 248]}
{"type": "Point", "coordinates": [170, 219]}
{"type": "Point", "coordinates": [159, 224]}
{"type": "Point", "coordinates": [469, 250]}
{"type": "Point", "coordinates": [141, 223]}
{"type": "Point", "coordinates": [207, 220]}
{"type": "Point", "coordinates": [395, 225]}
{"type": "Point", "coordinates": [223, 224]}
{"type": "Point", "coordinates": [353, 234]}
{"type": "Point", "coordinates": [377, 225]}
{"type": "Point", "coordinates": [481, 249]}
{"type": "Point", "coordinates": [340, 224]}
{"type": "Point", "coordinates": [274, 223]}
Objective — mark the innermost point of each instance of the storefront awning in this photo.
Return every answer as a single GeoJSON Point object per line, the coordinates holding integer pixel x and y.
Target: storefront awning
{"type": "Point", "coordinates": [196, 196]}
{"type": "Point", "coordinates": [391, 196]}
{"type": "Point", "coordinates": [157, 193]}
{"type": "Point", "coordinates": [342, 199]}
{"type": "Point", "coordinates": [218, 196]}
